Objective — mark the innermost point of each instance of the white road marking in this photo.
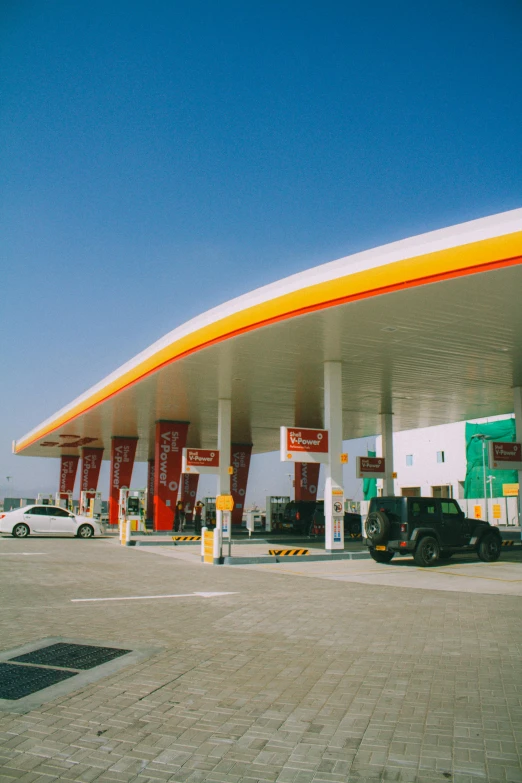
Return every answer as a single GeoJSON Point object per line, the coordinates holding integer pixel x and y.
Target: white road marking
{"type": "Point", "coordinates": [26, 554]}
{"type": "Point", "coordinates": [148, 597]}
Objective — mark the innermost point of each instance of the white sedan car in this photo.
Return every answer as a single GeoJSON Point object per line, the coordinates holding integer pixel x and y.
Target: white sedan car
{"type": "Point", "coordinates": [20, 522]}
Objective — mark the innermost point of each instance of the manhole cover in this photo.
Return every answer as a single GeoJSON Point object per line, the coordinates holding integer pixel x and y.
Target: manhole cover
{"type": "Point", "coordinates": [19, 681]}
{"type": "Point", "coordinates": [73, 656]}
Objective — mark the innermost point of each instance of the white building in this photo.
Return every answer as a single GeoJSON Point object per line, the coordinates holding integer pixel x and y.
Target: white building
{"type": "Point", "coordinates": [431, 462]}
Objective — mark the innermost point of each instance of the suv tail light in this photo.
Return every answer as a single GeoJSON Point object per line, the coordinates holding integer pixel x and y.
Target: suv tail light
{"type": "Point", "coordinates": [298, 516]}
{"type": "Point", "coordinates": [2, 516]}
{"type": "Point", "coordinates": [404, 528]}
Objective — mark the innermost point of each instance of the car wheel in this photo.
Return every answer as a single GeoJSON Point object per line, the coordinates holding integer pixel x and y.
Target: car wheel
{"type": "Point", "coordinates": [381, 557]}
{"type": "Point", "coordinates": [427, 552]}
{"type": "Point", "coordinates": [489, 548]}
{"type": "Point", "coordinates": [85, 531]}
{"type": "Point", "coordinates": [21, 531]}
{"type": "Point", "coordinates": [444, 555]}
{"type": "Point", "coordinates": [377, 527]}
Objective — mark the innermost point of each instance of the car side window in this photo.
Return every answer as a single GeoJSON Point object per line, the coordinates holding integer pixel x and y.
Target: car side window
{"type": "Point", "coordinates": [39, 511]}
{"type": "Point", "coordinates": [429, 510]}
{"type": "Point", "coordinates": [450, 509]}
{"type": "Point", "coordinates": [415, 509]}
{"type": "Point", "coordinates": [58, 511]}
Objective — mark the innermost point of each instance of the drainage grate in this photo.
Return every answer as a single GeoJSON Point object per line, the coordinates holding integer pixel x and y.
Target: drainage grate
{"type": "Point", "coordinates": [73, 656]}
{"type": "Point", "coordinates": [19, 681]}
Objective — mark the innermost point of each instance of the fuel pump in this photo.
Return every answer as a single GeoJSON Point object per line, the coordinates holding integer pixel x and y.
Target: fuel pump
{"type": "Point", "coordinates": [44, 500]}
{"type": "Point", "coordinates": [209, 512]}
{"type": "Point", "coordinates": [64, 499]}
{"type": "Point", "coordinates": [90, 504]}
{"type": "Point", "coordinates": [132, 512]}
{"type": "Point", "coordinates": [275, 506]}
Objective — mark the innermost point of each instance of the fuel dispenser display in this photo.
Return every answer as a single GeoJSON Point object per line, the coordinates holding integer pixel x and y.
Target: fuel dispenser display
{"type": "Point", "coordinates": [275, 506]}
{"type": "Point", "coordinates": [132, 512]}
{"type": "Point", "coordinates": [90, 504]}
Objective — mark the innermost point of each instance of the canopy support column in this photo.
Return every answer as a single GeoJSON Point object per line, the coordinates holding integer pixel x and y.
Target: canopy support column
{"type": "Point", "coordinates": [223, 483]}
{"type": "Point", "coordinates": [387, 452]}
{"type": "Point", "coordinates": [517, 401]}
{"type": "Point", "coordinates": [333, 422]}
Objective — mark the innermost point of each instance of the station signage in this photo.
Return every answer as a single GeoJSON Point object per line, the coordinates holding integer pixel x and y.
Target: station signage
{"type": "Point", "coordinates": [123, 452]}
{"type": "Point", "coordinates": [510, 490]}
{"type": "Point", "coordinates": [505, 456]}
{"type": "Point", "coordinates": [300, 444]}
{"type": "Point", "coordinates": [224, 503]}
{"type": "Point", "coordinates": [68, 470]}
{"type": "Point", "coordinates": [90, 469]}
{"type": "Point", "coordinates": [371, 467]}
{"type": "Point", "coordinates": [171, 437]}
{"type": "Point", "coordinates": [200, 461]}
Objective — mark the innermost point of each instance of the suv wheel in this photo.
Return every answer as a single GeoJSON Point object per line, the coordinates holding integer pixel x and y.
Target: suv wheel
{"type": "Point", "coordinates": [381, 557]}
{"type": "Point", "coordinates": [377, 527]}
{"type": "Point", "coordinates": [427, 552]}
{"type": "Point", "coordinates": [489, 548]}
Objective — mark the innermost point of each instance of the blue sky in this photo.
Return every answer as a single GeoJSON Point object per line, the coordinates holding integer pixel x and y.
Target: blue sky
{"type": "Point", "coordinates": [158, 158]}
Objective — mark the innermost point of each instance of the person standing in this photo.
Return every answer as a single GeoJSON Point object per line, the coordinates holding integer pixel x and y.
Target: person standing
{"type": "Point", "coordinates": [179, 518]}
{"type": "Point", "coordinates": [187, 512]}
{"type": "Point", "coordinates": [198, 511]}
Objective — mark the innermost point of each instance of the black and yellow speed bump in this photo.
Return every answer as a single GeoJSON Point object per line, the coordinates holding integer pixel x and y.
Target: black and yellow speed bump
{"type": "Point", "coordinates": [288, 552]}
{"type": "Point", "coordinates": [186, 538]}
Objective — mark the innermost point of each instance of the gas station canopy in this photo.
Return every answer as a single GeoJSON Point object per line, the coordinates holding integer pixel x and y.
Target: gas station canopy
{"type": "Point", "coordinates": [429, 328]}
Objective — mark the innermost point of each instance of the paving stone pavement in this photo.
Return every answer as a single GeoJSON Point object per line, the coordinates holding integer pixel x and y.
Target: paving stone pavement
{"type": "Point", "coordinates": [287, 680]}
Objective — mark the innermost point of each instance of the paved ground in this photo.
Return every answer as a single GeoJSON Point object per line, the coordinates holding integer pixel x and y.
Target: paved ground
{"type": "Point", "coordinates": [290, 678]}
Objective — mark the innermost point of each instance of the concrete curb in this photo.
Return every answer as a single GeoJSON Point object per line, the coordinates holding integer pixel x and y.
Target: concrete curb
{"type": "Point", "coordinates": [295, 558]}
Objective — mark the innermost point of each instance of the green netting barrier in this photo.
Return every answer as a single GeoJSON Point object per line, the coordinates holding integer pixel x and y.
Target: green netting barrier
{"type": "Point", "coordinates": [370, 485]}
{"type": "Point", "coordinates": [503, 430]}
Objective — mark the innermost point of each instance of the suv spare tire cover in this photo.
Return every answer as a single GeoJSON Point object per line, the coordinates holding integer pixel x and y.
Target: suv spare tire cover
{"type": "Point", "coordinates": [377, 527]}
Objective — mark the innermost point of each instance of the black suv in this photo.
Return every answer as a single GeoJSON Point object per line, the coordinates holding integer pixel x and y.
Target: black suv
{"type": "Point", "coordinates": [430, 529]}
{"type": "Point", "coordinates": [297, 517]}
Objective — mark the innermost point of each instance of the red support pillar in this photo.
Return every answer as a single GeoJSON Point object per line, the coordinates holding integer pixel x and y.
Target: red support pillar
{"type": "Point", "coordinates": [171, 437]}
{"type": "Point", "coordinates": [68, 471]}
{"type": "Point", "coordinates": [306, 480]}
{"type": "Point", "coordinates": [150, 490]}
{"type": "Point", "coordinates": [90, 469]}
{"type": "Point", "coordinates": [123, 451]}
{"type": "Point", "coordinates": [240, 454]}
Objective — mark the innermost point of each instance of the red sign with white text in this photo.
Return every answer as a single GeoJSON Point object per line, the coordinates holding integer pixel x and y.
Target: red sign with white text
{"type": "Point", "coordinates": [150, 490]}
{"type": "Point", "coordinates": [306, 480]}
{"type": "Point", "coordinates": [371, 467]}
{"type": "Point", "coordinates": [68, 470]}
{"type": "Point", "coordinates": [171, 437]}
{"type": "Point", "coordinates": [200, 461]}
{"type": "Point", "coordinates": [123, 451]}
{"type": "Point", "coordinates": [90, 469]}
{"type": "Point", "coordinates": [505, 456]}
{"type": "Point", "coordinates": [300, 439]}
{"type": "Point", "coordinates": [301, 444]}
{"type": "Point", "coordinates": [240, 454]}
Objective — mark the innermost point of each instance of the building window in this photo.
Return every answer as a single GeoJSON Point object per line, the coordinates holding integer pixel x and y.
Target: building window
{"type": "Point", "coordinates": [440, 456]}
{"type": "Point", "coordinates": [409, 459]}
